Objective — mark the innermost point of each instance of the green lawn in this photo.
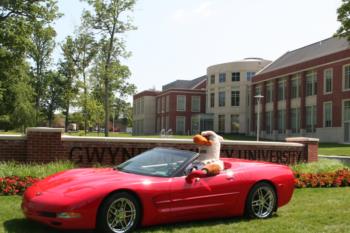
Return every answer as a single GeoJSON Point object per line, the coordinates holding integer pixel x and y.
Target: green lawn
{"type": "Point", "coordinates": [311, 210]}
{"type": "Point", "coordinates": [334, 149]}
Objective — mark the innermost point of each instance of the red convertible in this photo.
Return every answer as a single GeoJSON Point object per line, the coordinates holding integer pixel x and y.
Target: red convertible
{"type": "Point", "coordinates": [156, 187]}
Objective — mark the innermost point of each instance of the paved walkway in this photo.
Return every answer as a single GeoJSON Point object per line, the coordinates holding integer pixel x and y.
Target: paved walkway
{"type": "Point", "coordinates": [345, 159]}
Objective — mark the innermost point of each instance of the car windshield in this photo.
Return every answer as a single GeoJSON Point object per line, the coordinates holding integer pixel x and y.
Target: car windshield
{"type": "Point", "coordinates": [158, 162]}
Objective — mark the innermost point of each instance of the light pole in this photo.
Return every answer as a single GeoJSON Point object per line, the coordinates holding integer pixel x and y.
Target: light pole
{"type": "Point", "coordinates": [258, 98]}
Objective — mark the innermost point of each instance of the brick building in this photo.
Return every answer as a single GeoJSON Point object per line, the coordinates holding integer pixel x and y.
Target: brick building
{"type": "Point", "coordinates": [178, 108]}
{"type": "Point", "coordinates": [306, 92]}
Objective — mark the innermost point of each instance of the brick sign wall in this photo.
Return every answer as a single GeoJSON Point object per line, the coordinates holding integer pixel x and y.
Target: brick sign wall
{"type": "Point", "coordinates": [47, 144]}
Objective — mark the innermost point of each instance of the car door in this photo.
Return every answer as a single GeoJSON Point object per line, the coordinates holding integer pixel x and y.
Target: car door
{"type": "Point", "coordinates": [212, 196]}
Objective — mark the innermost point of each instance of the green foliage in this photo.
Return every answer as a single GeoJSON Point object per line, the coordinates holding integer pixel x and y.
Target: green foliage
{"type": "Point", "coordinates": [321, 166]}
{"type": "Point", "coordinates": [32, 169]}
{"type": "Point", "coordinates": [109, 19]}
{"type": "Point", "coordinates": [344, 19]}
{"type": "Point", "coordinates": [20, 20]}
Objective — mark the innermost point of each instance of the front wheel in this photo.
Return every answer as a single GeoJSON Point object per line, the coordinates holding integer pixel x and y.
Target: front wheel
{"type": "Point", "coordinates": [119, 213]}
{"type": "Point", "coordinates": [262, 201]}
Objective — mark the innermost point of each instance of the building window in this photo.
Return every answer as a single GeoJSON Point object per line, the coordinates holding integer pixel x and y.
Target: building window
{"type": "Point", "coordinates": [167, 123]}
{"type": "Point", "coordinates": [142, 107]}
{"type": "Point", "coordinates": [221, 99]}
{"type": "Point", "coordinates": [195, 125]}
{"type": "Point", "coordinates": [268, 123]}
{"type": "Point", "coordinates": [250, 75]}
{"type": "Point", "coordinates": [195, 103]}
{"type": "Point", "coordinates": [212, 100]}
{"type": "Point", "coordinates": [167, 103]}
{"type": "Point", "coordinates": [235, 123]}
{"type": "Point", "coordinates": [328, 81]}
{"type": "Point", "coordinates": [158, 105]}
{"type": "Point", "coordinates": [163, 104]}
{"type": "Point", "coordinates": [234, 98]}
{"type": "Point", "coordinates": [311, 119]}
{"type": "Point", "coordinates": [212, 79]}
{"type": "Point", "coordinates": [221, 123]}
{"type": "Point", "coordinates": [327, 115]}
{"type": "Point", "coordinates": [347, 121]}
{"type": "Point", "coordinates": [236, 76]}
{"type": "Point", "coordinates": [282, 89]}
{"type": "Point", "coordinates": [222, 77]}
{"type": "Point", "coordinates": [269, 89]}
{"type": "Point", "coordinates": [295, 120]}
{"type": "Point", "coordinates": [311, 83]}
{"type": "Point", "coordinates": [295, 89]}
{"type": "Point", "coordinates": [346, 77]}
{"type": "Point", "coordinates": [180, 103]}
{"type": "Point", "coordinates": [257, 92]}
{"type": "Point", "coordinates": [180, 125]}
{"type": "Point", "coordinates": [281, 121]}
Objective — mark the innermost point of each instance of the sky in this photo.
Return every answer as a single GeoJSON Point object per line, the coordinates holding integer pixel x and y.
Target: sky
{"type": "Point", "coordinates": [179, 39]}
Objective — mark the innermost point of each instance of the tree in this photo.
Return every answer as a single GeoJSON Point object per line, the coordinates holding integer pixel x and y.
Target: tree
{"type": "Point", "coordinates": [16, 27]}
{"type": "Point", "coordinates": [86, 49]}
{"type": "Point", "coordinates": [107, 20]}
{"type": "Point", "coordinates": [52, 98]}
{"type": "Point", "coordinates": [344, 19]}
{"type": "Point", "coordinates": [68, 70]}
{"type": "Point", "coordinates": [40, 52]}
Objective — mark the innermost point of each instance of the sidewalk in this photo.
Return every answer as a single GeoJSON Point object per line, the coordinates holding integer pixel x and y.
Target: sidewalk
{"type": "Point", "coordinates": [345, 159]}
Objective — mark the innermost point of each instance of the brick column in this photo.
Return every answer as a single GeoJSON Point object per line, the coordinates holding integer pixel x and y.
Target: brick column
{"type": "Point", "coordinates": [288, 104]}
{"type": "Point", "coordinates": [302, 103]}
{"type": "Point", "coordinates": [44, 144]}
{"type": "Point", "coordinates": [311, 146]}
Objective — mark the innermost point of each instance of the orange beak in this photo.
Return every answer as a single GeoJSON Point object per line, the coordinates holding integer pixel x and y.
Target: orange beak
{"type": "Point", "coordinates": [202, 141]}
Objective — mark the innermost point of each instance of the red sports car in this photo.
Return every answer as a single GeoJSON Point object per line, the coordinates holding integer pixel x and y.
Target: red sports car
{"type": "Point", "coordinates": [156, 187]}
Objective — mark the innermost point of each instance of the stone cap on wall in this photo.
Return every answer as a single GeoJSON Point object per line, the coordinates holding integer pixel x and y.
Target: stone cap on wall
{"type": "Point", "coordinates": [12, 137]}
{"type": "Point", "coordinates": [172, 141]}
{"type": "Point", "coordinates": [45, 129]}
{"type": "Point", "coordinates": [302, 139]}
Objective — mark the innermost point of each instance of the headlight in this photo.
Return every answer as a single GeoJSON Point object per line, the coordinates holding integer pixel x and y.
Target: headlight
{"type": "Point", "coordinates": [68, 215]}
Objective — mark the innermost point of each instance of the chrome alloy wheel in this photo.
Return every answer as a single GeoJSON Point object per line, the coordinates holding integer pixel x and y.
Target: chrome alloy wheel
{"type": "Point", "coordinates": [121, 215]}
{"type": "Point", "coordinates": [263, 202]}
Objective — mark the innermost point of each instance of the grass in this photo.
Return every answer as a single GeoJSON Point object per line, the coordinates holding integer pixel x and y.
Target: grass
{"type": "Point", "coordinates": [311, 210]}
{"type": "Point", "coordinates": [321, 166]}
{"type": "Point", "coordinates": [34, 170]}
{"type": "Point", "coordinates": [334, 149]}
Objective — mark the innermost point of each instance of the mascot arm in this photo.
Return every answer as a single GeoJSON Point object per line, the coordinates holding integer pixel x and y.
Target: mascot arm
{"type": "Point", "coordinates": [212, 169]}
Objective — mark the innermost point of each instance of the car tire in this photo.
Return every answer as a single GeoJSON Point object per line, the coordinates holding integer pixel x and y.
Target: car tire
{"type": "Point", "coordinates": [262, 201]}
{"type": "Point", "coordinates": [119, 213]}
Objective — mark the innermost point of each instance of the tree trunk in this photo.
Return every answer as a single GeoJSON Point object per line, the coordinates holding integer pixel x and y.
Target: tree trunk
{"type": "Point", "coordinates": [66, 123]}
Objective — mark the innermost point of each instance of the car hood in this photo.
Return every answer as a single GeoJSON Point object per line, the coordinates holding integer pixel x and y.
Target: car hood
{"type": "Point", "coordinates": [75, 180]}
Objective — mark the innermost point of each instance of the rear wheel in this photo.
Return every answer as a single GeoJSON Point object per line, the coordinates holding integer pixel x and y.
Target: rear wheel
{"type": "Point", "coordinates": [119, 213]}
{"type": "Point", "coordinates": [262, 201]}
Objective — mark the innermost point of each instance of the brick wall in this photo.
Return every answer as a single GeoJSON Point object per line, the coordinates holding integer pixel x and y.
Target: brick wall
{"type": "Point", "coordinates": [46, 144]}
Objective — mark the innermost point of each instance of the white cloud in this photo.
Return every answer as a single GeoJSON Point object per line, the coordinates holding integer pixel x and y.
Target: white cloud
{"type": "Point", "coordinates": [204, 10]}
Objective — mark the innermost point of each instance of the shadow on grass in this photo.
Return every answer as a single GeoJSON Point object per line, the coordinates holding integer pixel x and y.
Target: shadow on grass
{"type": "Point", "coordinates": [26, 226]}
{"type": "Point", "coordinates": [21, 225]}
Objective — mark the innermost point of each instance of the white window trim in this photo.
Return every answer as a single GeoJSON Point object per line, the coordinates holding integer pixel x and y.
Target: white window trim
{"type": "Point", "coordinates": [324, 81]}
{"type": "Point", "coordinates": [324, 114]}
{"type": "Point", "coordinates": [298, 79]}
{"type": "Point", "coordinates": [199, 103]}
{"type": "Point", "coordinates": [184, 125]}
{"type": "Point", "coordinates": [343, 78]}
{"type": "Point", "coordinates": [177, 103]}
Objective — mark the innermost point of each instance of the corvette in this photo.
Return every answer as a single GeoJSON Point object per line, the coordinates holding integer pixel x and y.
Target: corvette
{"type": "Point", "coordinates": [157, 187]}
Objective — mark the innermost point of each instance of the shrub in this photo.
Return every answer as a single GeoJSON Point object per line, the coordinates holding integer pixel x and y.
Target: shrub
{"type": "Point", "coordinates": [339, 178]}
{"type": "Point", "coordinates": [12, 185]}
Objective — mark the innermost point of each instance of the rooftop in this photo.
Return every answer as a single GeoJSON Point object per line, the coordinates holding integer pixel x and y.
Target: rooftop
{"type": "Point", "coordinates": [309, 52]}
{"type": "Point", "coordinates": [184, 84]}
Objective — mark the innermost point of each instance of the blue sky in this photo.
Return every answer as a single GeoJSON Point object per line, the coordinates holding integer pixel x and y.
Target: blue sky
{"type": "Point", "coordinates": [179, 39]}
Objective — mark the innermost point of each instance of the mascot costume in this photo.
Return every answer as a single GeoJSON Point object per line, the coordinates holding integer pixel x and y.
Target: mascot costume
{"type": "Point", "coordinates": [208, 161]}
